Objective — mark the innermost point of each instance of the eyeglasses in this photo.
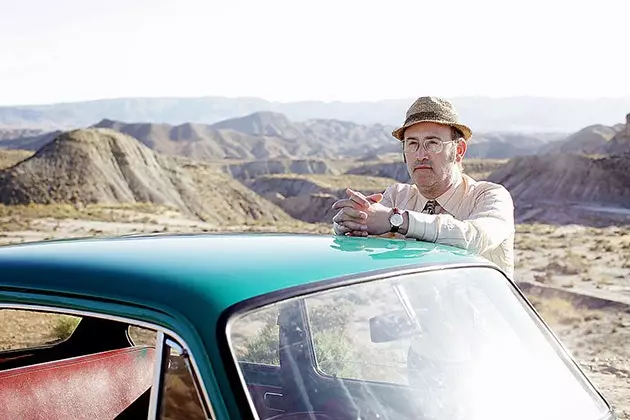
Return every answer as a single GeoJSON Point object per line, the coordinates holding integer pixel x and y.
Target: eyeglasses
{"type": "Point", "coordinates": [430, 145]}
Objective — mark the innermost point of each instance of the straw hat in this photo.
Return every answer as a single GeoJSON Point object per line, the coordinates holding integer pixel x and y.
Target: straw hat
{"type": "Point", "coordinates": [435, 110]}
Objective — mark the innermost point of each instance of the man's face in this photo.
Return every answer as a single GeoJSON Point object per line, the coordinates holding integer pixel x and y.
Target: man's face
{"type": "Point", "coordinates": [431, 169]}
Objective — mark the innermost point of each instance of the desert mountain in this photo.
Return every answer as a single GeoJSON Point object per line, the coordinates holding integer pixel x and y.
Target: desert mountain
{"type": "Point", "coordinates": [589, 140]}
{"type": "Point", "coordinates": [484, 114]}
{"type": "Point", "coordinates": [620, 143]}
{"type": "Point", "coordinates": [27, 139]}
{"type": "Point", "coordinates": [595, 139]}
{"type": "Point", "coordinates": [12, 133]}
{"type": "Point", "coordinates": [106, 167]}
{"type": "Point", "coordinates": [262, 135]}
{"type": "Point", "coordinates": [561, 188]}
{"type": "Point", "coordinates": [253, 169]}
{"type": "Point", "coordinates": [270, 136]}
{"type": "Point", "coordinates": [257, 136]}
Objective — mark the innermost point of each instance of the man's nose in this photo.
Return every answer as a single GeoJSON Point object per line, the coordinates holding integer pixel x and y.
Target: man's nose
{"type": "Point", "coordinates": [420, 154]}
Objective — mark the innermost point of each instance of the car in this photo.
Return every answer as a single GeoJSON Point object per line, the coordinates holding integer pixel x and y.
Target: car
{"type": "Point", "coordinates": [275, 326]}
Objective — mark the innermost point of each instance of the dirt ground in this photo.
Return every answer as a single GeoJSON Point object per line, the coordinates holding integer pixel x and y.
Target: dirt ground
{"type": "Point", "coordinates": [581, 287]}
{"type": "Point", "coordinates": [591, 265]}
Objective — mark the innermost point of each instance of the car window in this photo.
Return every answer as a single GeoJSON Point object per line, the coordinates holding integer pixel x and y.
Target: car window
{"type": "Point", "coordinates": [339, 324]}
{"type": "Point", "coordinates": [456, 343]}
{"type": "Point", "coordinates": [180, 394]}
{"type": "Point", "coordinates": [255, 337]}
{"type": "Point", "coordinates": [22, 329]}
{"type": "Point", "coordinates": [140, 335]}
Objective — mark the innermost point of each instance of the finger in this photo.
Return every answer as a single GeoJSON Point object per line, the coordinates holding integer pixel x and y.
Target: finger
{"type": "Point", "coordinates": [354, 213]}
{"type": "Point", "coordinates": [342, 218]}
{"type": "Point", "coordinates": [341, 229]}
{"type": "Point", "coordinates": [357, 233]}
{"type": "Point", "coordinates": [345, 202]}
{"type": "Point", "coordinates": [375, 198]}
{"type": "Point", "coordinates": [358, 198]}
{"type": "Point", "coordinates": [350, 225]}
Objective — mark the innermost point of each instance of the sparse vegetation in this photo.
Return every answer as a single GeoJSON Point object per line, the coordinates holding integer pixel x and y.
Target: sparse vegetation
{"type": "Point", "coordinates": [556, 311]}
{"type": "Point", "coordinates": [65, 325]}
{"type": "Point", "coordinates": [263, 347]}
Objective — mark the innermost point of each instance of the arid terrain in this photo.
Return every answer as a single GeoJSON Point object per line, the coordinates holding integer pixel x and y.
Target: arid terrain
{"type": "Point", "coordinates": [589, 266]}
{"type": "Point", "coordinates": [572, 210]}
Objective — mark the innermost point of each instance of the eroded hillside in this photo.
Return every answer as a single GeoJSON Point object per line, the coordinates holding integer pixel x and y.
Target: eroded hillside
{"type": "Point", "coordinates": [102, 166]}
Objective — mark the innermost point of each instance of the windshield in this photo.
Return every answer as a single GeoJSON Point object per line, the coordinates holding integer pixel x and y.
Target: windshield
{"type": "Point", "coordinates": [449, 344]}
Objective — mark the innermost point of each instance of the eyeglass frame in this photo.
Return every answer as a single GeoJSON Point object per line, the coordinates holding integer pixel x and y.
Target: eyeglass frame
{"type": "Point", "coordinates": [425, 141]}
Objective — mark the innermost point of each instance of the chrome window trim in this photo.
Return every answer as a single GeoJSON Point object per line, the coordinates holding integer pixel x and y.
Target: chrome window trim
{"type": "Point", "coordinates": [144, 324]}
{"type": "Point", "coordinates": [172, 344]}
{"type": "Point", "coordinates": [157, 378]}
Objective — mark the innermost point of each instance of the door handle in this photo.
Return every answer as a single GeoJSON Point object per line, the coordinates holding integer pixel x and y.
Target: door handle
{"type": "Point", "coordinates": [274, 401]}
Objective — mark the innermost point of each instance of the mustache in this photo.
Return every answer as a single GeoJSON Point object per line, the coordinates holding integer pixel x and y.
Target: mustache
{"type": "Point", "coordinates": [417, 164]}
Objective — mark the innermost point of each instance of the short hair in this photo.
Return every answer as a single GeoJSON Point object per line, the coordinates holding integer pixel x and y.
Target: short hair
{"type": "Point", "coordinates": [456, 133]}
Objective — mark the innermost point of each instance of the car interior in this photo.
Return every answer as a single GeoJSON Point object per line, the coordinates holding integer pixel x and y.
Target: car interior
{"type": "Point", "coordinates": [97, 373]}
{"type": "Point", "coordinates": [295, 389]}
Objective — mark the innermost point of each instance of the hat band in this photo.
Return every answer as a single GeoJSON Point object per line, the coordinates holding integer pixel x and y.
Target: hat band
{"type": "Point", "coordinates": [427, 115]}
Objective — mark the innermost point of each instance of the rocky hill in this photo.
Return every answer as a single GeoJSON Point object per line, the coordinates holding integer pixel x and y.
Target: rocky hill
{"type": "Point", "coordinates": [620, 143]}
{"type": "Point", "coordinates": [262, 135]}
{"type": "Point", "coordinates": [591, 140]}
{"type": "Point", "coordinates": [595, 139]}
{"type": "Point", "coordinates": [253, 169]}
{"type": "Point", "coordinates": [568, 188]}
{"type": "Point", "coordinates": [106, 167]}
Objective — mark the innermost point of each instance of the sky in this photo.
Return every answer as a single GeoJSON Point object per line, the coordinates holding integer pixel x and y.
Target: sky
{"type": "Point", "coordinates": [341, 50]}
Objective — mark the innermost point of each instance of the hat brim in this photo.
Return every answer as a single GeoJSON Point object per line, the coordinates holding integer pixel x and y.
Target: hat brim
{"type": "Point", "coordinates": [466, 131]}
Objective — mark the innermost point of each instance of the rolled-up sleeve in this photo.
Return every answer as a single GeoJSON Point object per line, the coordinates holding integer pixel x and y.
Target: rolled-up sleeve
{"type": "Point", "coordinates": [490, 222]}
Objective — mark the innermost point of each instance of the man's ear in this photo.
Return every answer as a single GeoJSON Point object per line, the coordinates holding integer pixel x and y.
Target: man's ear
{"type": "Point", "coordinates": [462, 146]}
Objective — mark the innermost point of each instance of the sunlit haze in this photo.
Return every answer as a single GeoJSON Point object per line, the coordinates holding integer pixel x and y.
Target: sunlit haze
{"type": "Point", "coordinates": [72, 50]}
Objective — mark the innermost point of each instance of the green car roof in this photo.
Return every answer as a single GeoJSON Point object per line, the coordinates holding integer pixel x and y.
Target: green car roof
{"type": "Point", "coordinates": [222, 269]}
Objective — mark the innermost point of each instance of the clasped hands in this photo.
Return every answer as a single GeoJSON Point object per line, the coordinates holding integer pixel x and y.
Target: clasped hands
{"type": "Point", "coordinates": [361, 215]}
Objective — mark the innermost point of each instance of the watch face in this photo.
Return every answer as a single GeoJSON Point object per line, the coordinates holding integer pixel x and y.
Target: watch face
{"type": "Point", "coordinates": [396, 219]}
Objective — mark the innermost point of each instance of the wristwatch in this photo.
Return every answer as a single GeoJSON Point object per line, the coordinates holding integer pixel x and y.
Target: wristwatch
{"type": "Point", "coordinates": [395, 220]}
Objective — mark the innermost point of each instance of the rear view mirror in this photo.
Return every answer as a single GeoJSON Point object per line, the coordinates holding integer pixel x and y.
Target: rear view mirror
{"type": "Point", "coordinates": [391, 327]}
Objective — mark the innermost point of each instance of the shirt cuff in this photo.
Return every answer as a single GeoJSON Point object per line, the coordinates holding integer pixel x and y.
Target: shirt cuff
{"type": "Point", "coordinates": [422, 226]}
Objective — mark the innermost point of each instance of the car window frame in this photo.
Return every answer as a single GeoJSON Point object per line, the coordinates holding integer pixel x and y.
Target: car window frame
{"type": "Point", "coordinates": [229, 355]}
{"type": "Point", "coordinates": [163, 335]}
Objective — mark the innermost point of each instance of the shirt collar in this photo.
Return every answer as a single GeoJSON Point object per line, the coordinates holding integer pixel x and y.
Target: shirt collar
{"type": "Point", "coordinates": [451, 197]}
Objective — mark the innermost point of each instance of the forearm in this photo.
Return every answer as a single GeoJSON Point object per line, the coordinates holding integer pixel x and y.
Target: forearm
{"type": "Point", "coordinates": [476, 235]}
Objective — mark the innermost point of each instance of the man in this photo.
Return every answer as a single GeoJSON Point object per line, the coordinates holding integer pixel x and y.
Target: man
{"type": "Point", "coordinates": [442, 204]}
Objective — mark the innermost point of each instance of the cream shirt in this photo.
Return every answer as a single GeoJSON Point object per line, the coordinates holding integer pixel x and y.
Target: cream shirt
{"type": "Point", "coordinates": [474, 215]}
